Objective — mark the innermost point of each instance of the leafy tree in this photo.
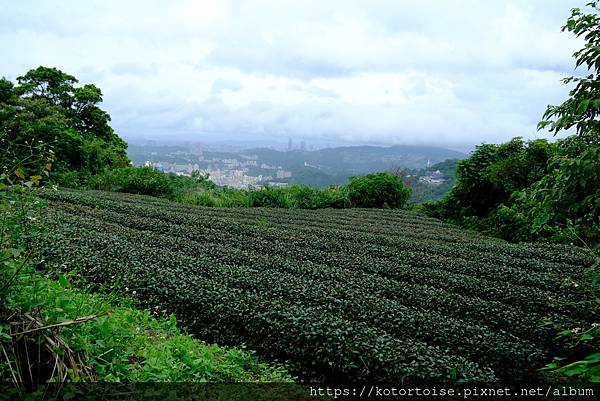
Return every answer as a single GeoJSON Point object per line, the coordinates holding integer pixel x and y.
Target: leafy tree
{"type": "Point", "coordinates": [581, 109]}
{"type": "Point", "coordinates": [46, 107]}
{"type": "Point", "coordinates": [50, 84]}
{"type": "Point", "coordinates": [492, 173]}
{"type": "Point", "coordinates": [7, 91]}
{"type": "Point", "coordinates": [565, 205]}
{"type": "Point", "coordinates": [539, 191]}
{"type": "Point", "coordinates": [25, 126]}
{"type": "Point", "coordinates": [377, 190]}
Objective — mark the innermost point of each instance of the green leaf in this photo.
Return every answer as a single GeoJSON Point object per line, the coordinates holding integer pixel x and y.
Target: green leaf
{"type": "Point", "coordinates": [565, 333]}
{"type": "Point", "coordinates": [586, 336]}
{"type": "Point", "coordinates": [583, 106]}
{"type": "Point", "coordinates": [574, 369]}
{"type": "Point", "coordinates": [550, 366]}
{"type": "Point", "coordinates": [63, 281]}
{"type": "Point", "coordinates": [593, 357]}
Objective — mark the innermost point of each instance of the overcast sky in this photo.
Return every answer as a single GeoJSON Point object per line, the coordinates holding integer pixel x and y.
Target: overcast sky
{"type": "Point", "coordinates": [444, 72]}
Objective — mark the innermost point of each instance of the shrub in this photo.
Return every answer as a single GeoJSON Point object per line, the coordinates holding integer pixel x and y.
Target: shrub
{"type": "Point", "coordinates": [305, 197]}
{"type": "Point", "coordinates": [378, 190]}
{"type": "Point", "coordinates": [337, 197]}
{"type": "Point", "coordinates": [270, 197]}
{"type": "Point", "coordinates": [228, 197]}
{"type": "Point", "coordinates": [492, 173]}
{"type": "Point", "coordinates": [69, 179]}
{"type": "Point", "coordinates": [372, 191]}
{"type": "Point", "coordinates": [186, 185]}
{"type": "Point", "coordinates": [199, 198]}
{"type": "Point", "coordinates": [134, 180]}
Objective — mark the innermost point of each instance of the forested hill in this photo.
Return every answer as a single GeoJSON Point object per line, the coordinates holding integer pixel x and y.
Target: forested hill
{"type": "Point", "coordinates": [359, 159]}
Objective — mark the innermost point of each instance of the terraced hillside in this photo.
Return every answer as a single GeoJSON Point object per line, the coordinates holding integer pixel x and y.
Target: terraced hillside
{"type": "Point", "coordinates": [341, 295]}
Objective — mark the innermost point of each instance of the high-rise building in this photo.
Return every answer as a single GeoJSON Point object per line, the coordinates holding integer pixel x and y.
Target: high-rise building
{"type": "Point", "coordinates": [290, 144]}
{"type": "Point", "coordinates": [302, 145]}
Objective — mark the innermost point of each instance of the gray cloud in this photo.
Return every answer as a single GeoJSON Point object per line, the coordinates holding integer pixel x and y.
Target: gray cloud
{"type": "Point", "coordinates": [455, 72]}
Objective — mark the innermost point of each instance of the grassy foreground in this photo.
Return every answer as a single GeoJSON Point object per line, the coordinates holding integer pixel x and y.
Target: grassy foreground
{"type": "Point", "coordinates": [116, 342]}
{"type": "Point", "coordinates": [54, 331]}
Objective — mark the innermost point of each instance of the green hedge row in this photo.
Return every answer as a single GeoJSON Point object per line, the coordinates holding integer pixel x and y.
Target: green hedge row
{"type": "Point", "coordinates": [440, 239]}
{"type": "Point", "coordinates": [279, 323]}
{"type": "Point", "coordinates": [336, 303]}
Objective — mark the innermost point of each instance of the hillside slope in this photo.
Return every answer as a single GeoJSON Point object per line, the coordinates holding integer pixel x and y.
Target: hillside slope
{"type": "Point", "coordinates": [358, 159]}
{"type": "Point", "coordinates": [340, 294]}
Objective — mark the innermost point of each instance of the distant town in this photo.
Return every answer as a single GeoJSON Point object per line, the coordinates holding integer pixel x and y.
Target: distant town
{"type": "Point", "coordinates": [299, 163]}
{"type": "Point", "coordinates": [232, 172]}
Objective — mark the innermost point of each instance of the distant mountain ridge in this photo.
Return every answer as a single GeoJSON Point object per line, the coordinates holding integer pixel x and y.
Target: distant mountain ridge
{"type": "Point", "coordinates": [318, 168]}
{"type": "Point", "coordinates": [357, 159]}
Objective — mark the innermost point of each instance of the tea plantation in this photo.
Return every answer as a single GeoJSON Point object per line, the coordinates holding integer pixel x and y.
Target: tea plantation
{"type": "Point", "coordinates": [362, 295]}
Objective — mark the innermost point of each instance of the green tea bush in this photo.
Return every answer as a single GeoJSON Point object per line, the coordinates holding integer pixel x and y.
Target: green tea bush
{"type": "Point", "coordinates": [339, 294]}
{"type": "Point", "coordinates": [81, 337]}
{"type": "Point", "coordinates": [378, 190]}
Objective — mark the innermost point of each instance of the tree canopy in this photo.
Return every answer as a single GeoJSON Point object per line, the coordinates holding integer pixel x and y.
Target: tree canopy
{"type": "Point", "coordinates": [46, 107]}
{"type": "Point", "coordinates": [377, 190]}
{"type": "Point", "coordinates": [566, 202]}
{"type": "Point", "coordinates": [493, 172]}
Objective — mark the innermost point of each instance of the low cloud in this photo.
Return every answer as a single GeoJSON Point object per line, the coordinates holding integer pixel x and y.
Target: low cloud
{"type": "Point", "coordinates": [452, 73]}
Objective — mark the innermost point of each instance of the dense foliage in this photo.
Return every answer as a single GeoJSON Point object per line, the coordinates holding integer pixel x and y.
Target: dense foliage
{"type": "Point", "coordinates": [567, 200]}
{"type": "Point", "coordinates": [135, 180]}
{"type": "Point", "coordinates": [342, 295]}
{"type": "Point", "coordinates": [377, 190]}
{"type": "Point", "coordinates": [493, 172]}
{"type": "Point", "coordinates": [486, 182]}
{"type": "Point", "coordinates": [371, 191]}
{"type": "Point", "coordinates": [45, 107]}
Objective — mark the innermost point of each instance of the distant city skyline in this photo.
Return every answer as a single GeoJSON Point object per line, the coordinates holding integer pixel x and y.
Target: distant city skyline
{"type": "Point", "coordinates": [280, 144]}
